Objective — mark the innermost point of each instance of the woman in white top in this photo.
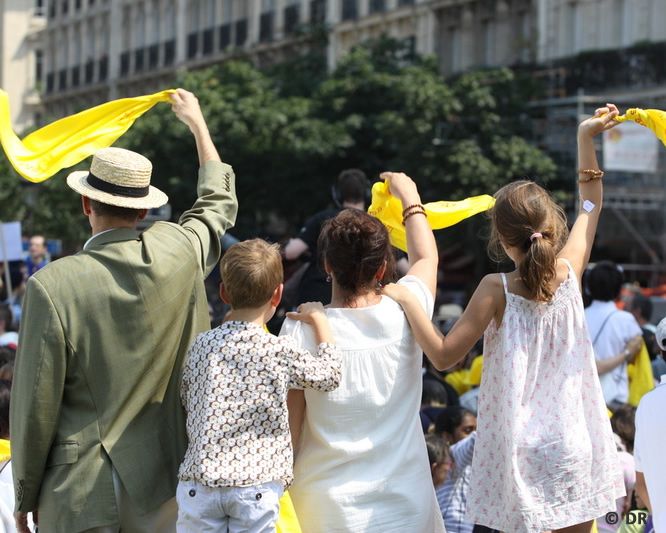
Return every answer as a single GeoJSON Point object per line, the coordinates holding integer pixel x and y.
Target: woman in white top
{"type": "Point", "coordinates": [361, 462]}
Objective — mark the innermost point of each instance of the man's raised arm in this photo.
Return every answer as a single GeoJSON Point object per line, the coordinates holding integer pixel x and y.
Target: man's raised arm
{"type": "Point", "coordinates": [214, 211]}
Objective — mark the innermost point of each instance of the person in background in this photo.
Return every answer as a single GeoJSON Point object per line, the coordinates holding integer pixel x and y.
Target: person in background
{"type": "Point", "coordinates": [610, 330]}
{"type": "Point", "coordinates": [433, 400]}
{"type": "Point", "coordinates": [38, 255]}
{"type": "Point", "coordinates": [641, 307]}
{"type": "Point", "coordinates": [649, 446]}
{"type": "Point", "coordinates": [8, 337]}
{"type": "Point", "coordinates": [351, 191]}
{"type": "Point", "coordinates": [439, 458]}
{"type": "Point", "coordinates": [456, 427]}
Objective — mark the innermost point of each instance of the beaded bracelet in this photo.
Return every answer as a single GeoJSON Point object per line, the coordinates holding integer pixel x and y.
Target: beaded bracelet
{"type": "Point", "coordinates": [591, 174]}
{"type": "Point", "coordinates": [412, 213]}
{"type": "Point", "coordinates": [404, 211]}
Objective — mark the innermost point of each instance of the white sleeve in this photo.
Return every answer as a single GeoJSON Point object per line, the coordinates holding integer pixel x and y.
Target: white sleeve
{"type": "Point", "coordinates": [421, 291]}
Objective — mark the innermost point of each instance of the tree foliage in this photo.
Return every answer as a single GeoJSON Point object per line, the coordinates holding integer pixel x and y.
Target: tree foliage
{"type": "Point", "coordinates": [289, 130]}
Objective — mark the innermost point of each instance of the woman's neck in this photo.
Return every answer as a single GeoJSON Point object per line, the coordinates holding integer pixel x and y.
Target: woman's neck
{"type": "Point", "coordinates": [341, 298]}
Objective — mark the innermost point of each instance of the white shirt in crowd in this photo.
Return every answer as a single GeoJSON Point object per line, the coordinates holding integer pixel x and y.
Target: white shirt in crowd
{"type": "Point", "coordinates": [649, 450]}
{"type": "Point", "coordinates": [609, 338]}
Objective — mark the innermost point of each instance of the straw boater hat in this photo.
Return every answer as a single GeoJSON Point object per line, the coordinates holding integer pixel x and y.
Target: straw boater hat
{"type": "Point", "coordinates": [118, 177]}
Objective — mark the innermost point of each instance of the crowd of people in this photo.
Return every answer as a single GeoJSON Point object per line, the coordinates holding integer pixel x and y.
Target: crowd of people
{"type": "Point", "coordinates": [129, 413]}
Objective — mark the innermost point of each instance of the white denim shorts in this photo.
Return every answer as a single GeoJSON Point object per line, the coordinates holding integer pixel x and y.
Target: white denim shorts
{"type": "Point", "coordinates": [252, 509]}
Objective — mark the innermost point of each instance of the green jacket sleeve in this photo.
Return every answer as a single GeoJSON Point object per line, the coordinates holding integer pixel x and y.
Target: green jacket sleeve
{"type": "Point", "coordinates": [213, 213]}
{"type": "Point", "coordinates": [39, 377]}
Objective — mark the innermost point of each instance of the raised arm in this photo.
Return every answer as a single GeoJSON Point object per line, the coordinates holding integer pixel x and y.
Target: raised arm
{"type": "Point", "coordinates": [578, 247]}
{"type": "Point", "coordinates": [421, 246]}
{"type": "Point", "coordinates": [445, 351]}
{"type": "Point", "coordinates": [214, 211]}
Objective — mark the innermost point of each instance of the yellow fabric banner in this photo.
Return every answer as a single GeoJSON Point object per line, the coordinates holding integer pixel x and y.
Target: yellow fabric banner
{"type": "Point", "coordinates": [641, 380]}
{"type": "Point", "coordinates": [650, 118]}
{"type": "Point", "coordinates": [5, 450]}
{"type": "Point", "coordinates": [287, 521]}
{"type": "Point", "coordinates": [441, 214]}
{"type": "Point", "coordinates": [70, 140]}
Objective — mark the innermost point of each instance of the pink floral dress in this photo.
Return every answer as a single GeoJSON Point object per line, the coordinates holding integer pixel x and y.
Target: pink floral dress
{"type": "Point", "coordinates": [545, 457]}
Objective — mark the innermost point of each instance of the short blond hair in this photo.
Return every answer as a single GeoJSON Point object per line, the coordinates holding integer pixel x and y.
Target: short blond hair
{"type": "Point", "coordinates": [251, 271]}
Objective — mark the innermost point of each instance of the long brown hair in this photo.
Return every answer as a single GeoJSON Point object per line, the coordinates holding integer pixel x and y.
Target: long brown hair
{"type": "Point", "coordinates": [522, 209]}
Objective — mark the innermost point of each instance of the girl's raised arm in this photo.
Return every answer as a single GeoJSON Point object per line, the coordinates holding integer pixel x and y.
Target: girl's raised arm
{"type": "Point", "coordinates": [444, 352]}
{"type": "Point", "coordinates": [578, 246]}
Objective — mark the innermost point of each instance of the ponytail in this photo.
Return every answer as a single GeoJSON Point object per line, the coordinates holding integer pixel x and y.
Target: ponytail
{"type": "Point", "coordinates": [537, 270]}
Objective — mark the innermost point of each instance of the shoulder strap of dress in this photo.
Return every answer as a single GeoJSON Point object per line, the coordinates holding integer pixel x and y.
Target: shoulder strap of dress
{"type": "Point", "coordinates": [506, 287]}
{"type": "Point", "coordinates": [566, 262]}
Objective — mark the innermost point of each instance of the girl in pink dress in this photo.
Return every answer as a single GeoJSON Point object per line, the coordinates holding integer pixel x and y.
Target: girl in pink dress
{"type": "Point", "coordinates": [545, 458]}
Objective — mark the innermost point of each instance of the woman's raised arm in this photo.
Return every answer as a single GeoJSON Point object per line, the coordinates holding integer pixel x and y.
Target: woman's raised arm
{"type": "Point", "coordinates": [421, 247]}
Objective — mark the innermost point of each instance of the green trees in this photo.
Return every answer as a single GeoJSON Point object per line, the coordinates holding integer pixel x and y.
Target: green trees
{"type": "Point", "coordinates": [289, 131]}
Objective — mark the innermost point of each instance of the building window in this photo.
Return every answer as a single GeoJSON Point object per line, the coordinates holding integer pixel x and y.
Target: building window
{"type": "Point", "coordinates": [169, 52]}
{"type": "Point", "coordinates": [317, 11]}
{"type": "Point", "coordinates": [266, 27]}
{"type": "Point", "coordinates": [225, 36]}
{"type": "Point", "coordinates": [377, 6]}
{"type": "Point", "coordinates": [77, 5]}
{"type": "Point", "coordinates": [405, 2]}
{"type": "Point", "coordinates": [291, 18]}
{"type": "Point", "coordinates": [39, 8]}
{"type": "Point", "coordinates": [208, 37]}
{"type": "Point", "coordinates": [39, 65]}
{"type": "Point", "coordinates": [192, 45]}
{"type": "Point", "coordinates": [349, 9]}
{"type": "Point", "coordinates": [124, 63]}
{"type": "Point", "coordinates": [62, 79]}
{"type": "Point", "coordinates": [153, 56]}
{"type": "Point", "coordinates": [49, 82]}
{"type": "Point", "coordinates": [90, 71]}
{"type": "Point", "coordinates": [241, 32]}
{"type": "Point", "coordinates": [64, 7]}
{"type": "Point", "coordinates": [52, 9]}
{"type": "Point", "coordinates": [103, 68]}
{"type": "Point", "coordinates": [489, 44]}
{"type": "Point", "coordinates": [76, 76]}
{"type": "Point", "coordinates": [138, 59]}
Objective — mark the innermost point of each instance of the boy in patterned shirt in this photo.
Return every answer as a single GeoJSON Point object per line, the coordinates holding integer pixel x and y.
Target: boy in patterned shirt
{"type": "Point", "coordinates": [234, 390]}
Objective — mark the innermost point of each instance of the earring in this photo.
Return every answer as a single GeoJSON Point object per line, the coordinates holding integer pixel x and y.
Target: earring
{"type": "Point", "coordinates": [328, 278]}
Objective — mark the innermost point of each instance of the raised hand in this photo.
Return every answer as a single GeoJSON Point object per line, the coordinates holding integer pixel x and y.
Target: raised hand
{"type": "Point", "coordinates": [402, 187]}
{"type": "Point", "coordinates": [603, 119]}
{"type": "Point", "coordinates": [186, 107]}
{"type": "Point", "coordinates": [397, 292]}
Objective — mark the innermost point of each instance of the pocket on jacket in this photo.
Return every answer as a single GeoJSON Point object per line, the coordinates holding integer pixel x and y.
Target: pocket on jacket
{"type": "Point", "coordinates": [63, 453]}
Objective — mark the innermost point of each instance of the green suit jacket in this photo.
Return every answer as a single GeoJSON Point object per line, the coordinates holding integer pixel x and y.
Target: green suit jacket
{"type": "Point", "coordinates": [102, 342]}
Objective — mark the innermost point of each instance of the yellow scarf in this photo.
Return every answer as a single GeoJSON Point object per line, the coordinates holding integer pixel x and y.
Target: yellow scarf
{"type": "Point", "coordinates": [70, 140]}
{"type": "Point", "coordinates": [441, 214]}
{"type": "Point", "coordinates": [650, 118]}
{"type": "Point", "coordinates": [641, 380]}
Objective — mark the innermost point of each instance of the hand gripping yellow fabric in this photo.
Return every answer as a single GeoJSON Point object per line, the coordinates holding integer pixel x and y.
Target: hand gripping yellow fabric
{"type": "Point", "coordinates": [650, 118]}
{"type": "Point", "coordinates": [388, 209]}
{"type": "Point", "coordinates": [70, 140]}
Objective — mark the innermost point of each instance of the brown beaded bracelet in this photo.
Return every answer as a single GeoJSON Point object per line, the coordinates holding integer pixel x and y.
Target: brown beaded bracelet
{"type": "Point", "coordinates": [590, 174]}
{"type": "Point", "coordinates": [404, 211]}
{"type": "Point", "coordinates": [412, 213]}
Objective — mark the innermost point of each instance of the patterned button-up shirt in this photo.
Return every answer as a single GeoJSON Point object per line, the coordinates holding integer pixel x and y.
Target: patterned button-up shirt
{"type": "Point", "coordinates": [234, 390]}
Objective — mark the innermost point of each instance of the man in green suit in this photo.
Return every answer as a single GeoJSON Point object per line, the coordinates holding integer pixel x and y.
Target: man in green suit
{"type": "Point", "coordinates": [97, 427]}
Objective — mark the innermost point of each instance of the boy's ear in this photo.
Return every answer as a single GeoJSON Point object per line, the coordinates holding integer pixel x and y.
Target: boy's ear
{"type": "Point", "coordinates": [223, 294]}
{"type": "Point", "coordinates": [85, 206]}
{"type": "Point", "coordinates": [277, 295]}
